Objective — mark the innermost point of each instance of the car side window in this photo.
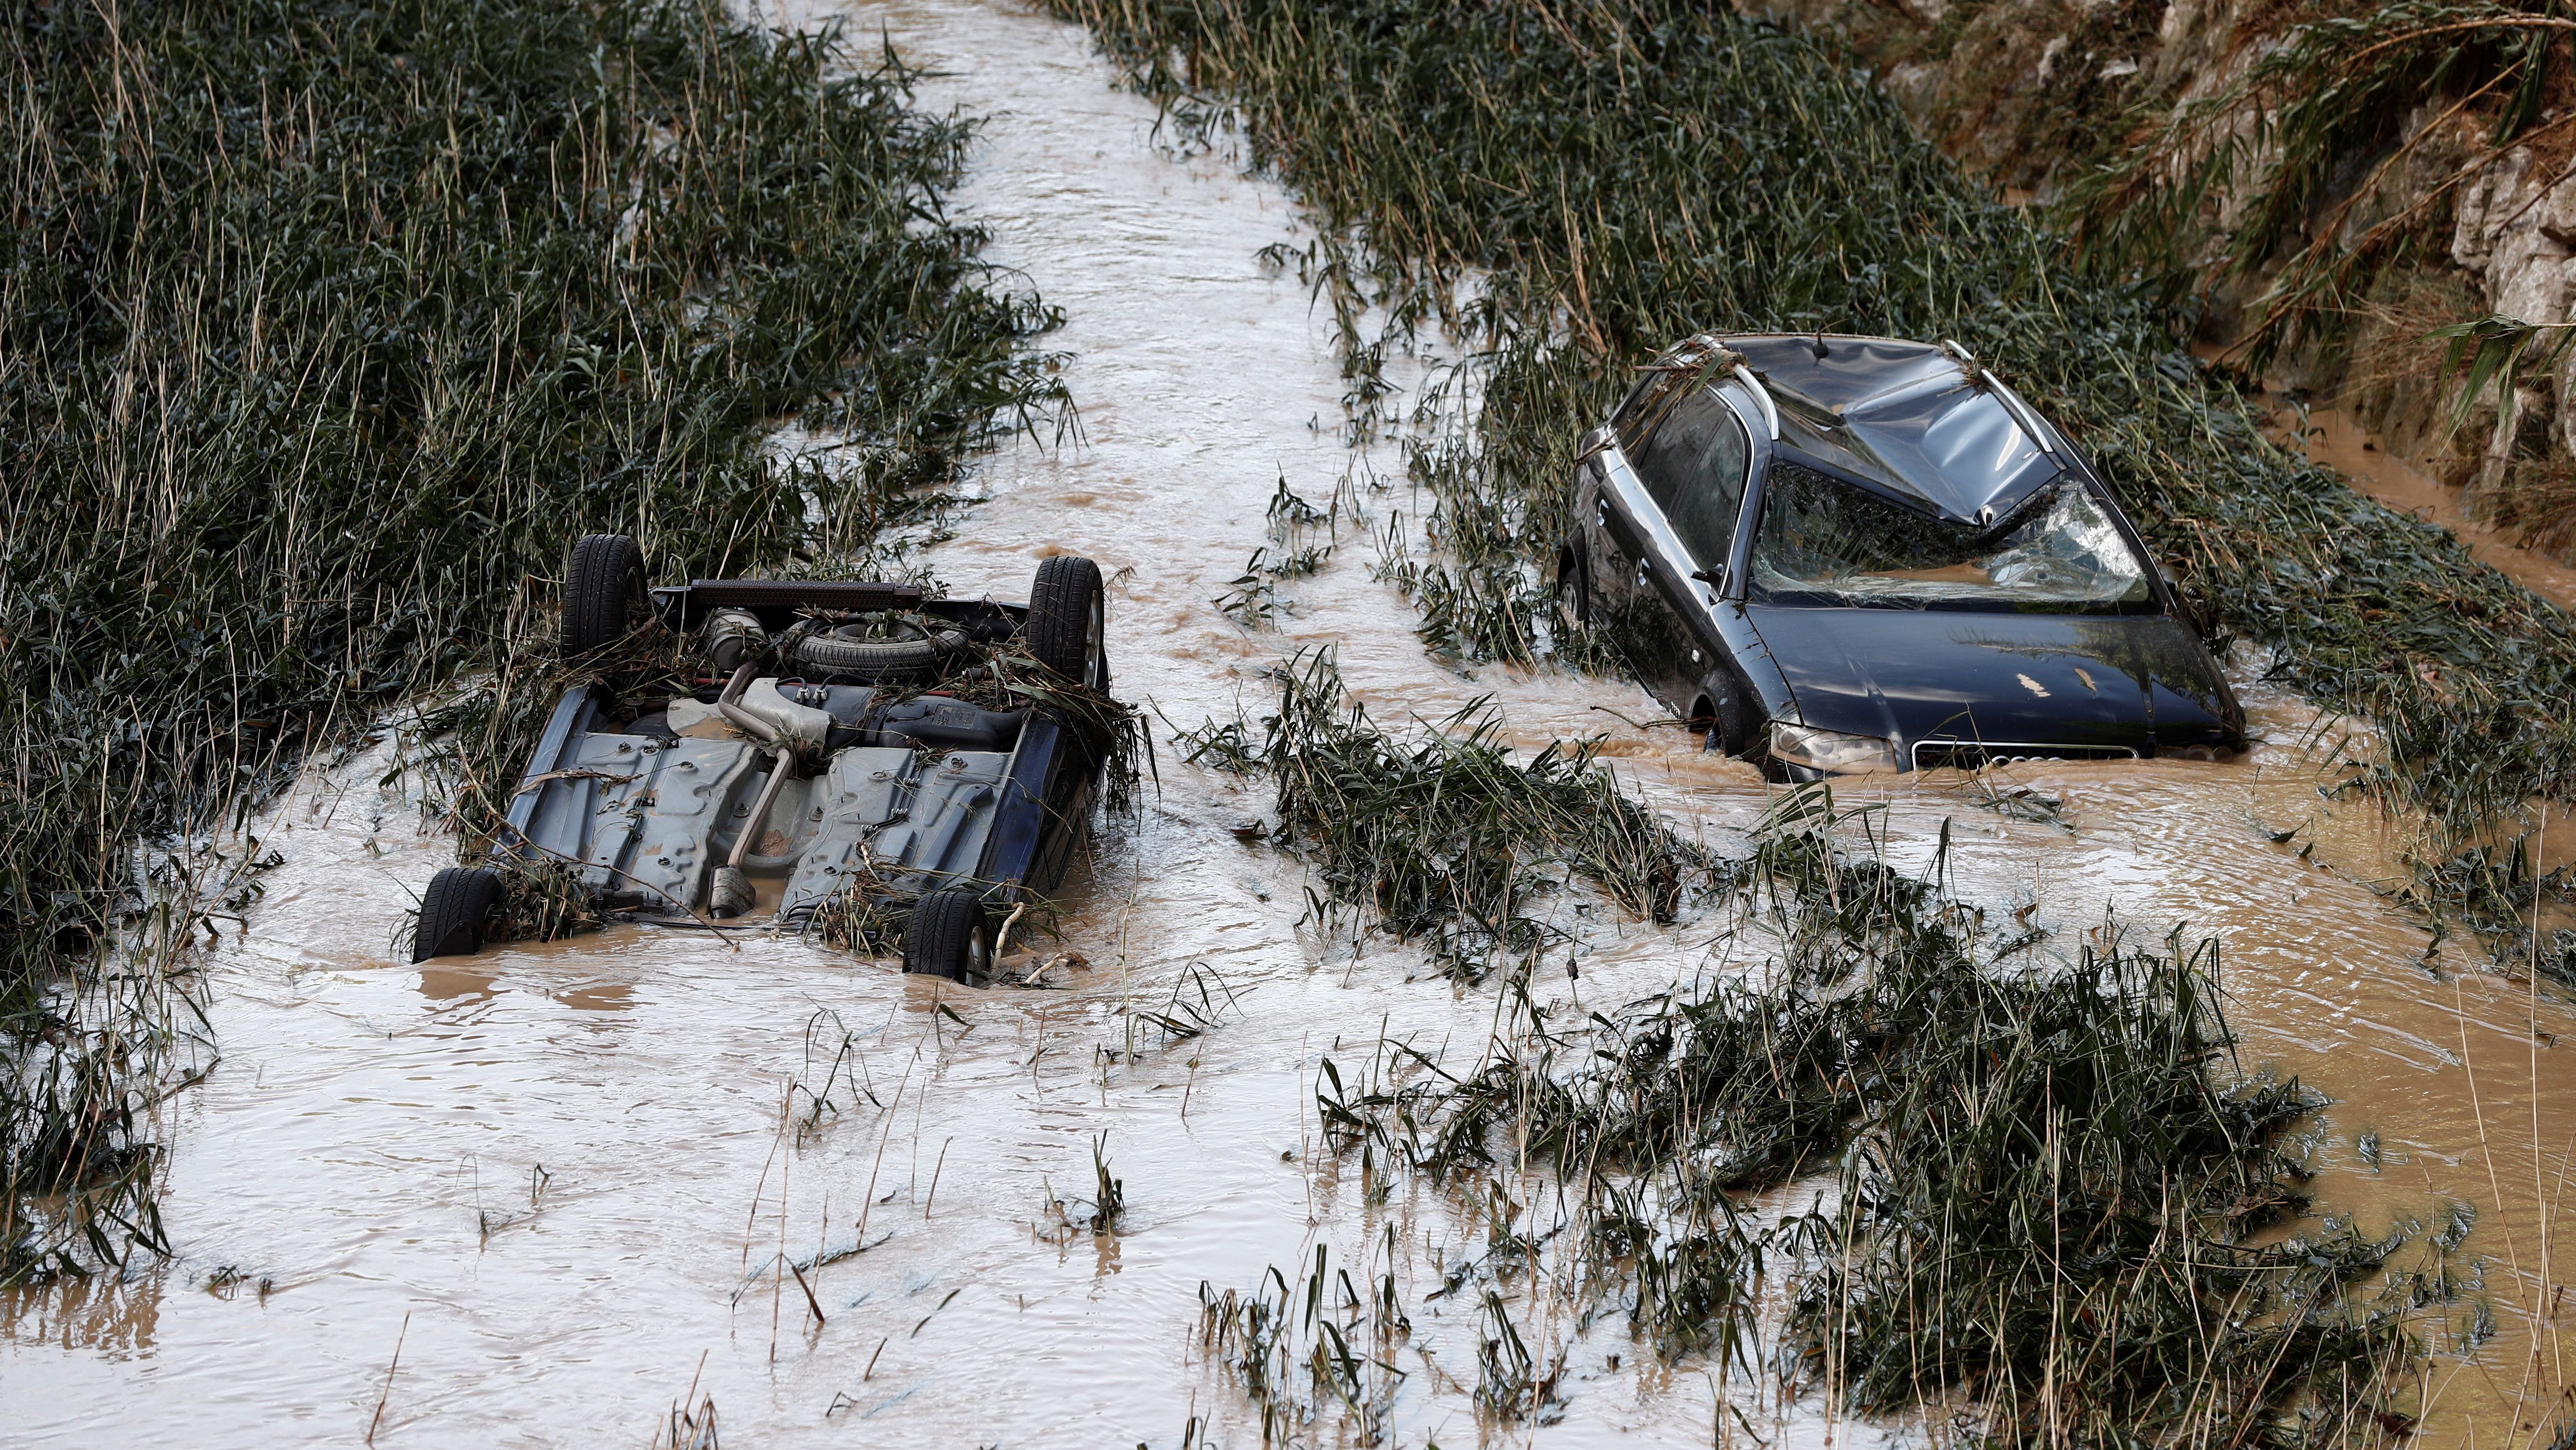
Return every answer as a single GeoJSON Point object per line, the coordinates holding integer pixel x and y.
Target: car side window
{"type": "Point", "coordinates": [1702, 510]}
{"type": "Point", "coordinates": [1693, 466]}
{"type": "Point", "coordinates": [1669, 452]}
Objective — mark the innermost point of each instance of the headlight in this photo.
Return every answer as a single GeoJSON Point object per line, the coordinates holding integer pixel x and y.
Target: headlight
{"type": "Point", "coordinates": [1830, 750]}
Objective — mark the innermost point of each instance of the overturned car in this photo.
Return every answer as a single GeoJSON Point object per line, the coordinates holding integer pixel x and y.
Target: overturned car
{"type": "Point", "coordinates": [918, 766]}
{"type": "Point", "coordinates": [1845, 554]}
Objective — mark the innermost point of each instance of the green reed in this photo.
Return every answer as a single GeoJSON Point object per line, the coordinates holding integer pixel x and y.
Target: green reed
{"type": "Point", "coordinates": [1574, 187]}
{"type": "Point", "coordinates": [327, 326]}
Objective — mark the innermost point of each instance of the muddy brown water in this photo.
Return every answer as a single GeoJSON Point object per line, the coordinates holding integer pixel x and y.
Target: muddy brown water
{"type": "Point", "coordinates": [535, 1197]}
{"type": "Point", "coordinates": [2332, 437]}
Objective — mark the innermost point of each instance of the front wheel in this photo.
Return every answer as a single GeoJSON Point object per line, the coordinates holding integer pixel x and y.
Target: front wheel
{"type": "Point", "coordinates": [452, 913]}
{"type": "Point", "coordinates": [1734, 726]}
{"type": "Point", "coordinates": [950, 936]}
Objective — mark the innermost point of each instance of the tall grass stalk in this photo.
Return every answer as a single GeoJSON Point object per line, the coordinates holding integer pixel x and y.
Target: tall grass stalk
{"type": "Point", "coordinates": [2038, 1189]}
{"type": "Point", "coordinates": [1599, 180]}
{"type": "Point", "coordinates": [323, 328]}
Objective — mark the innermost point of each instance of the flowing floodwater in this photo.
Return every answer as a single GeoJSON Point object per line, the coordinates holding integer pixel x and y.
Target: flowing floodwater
{"type": "Point", "coordinates": [540, 1196]}
{"type": "Point", "coordinates": [2332, 437]}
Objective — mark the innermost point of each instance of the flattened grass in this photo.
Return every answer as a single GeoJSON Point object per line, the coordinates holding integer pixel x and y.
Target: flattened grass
{"type": "Point", "coordinates": [1445, 838]}
{"type": "Point", "coordinates": [1615, 177]}
{"type": "Point", "coordinates": [2054, 1202]}
{"type": "Point", "coordinates": [327, 326]}
{"type": "Point", "coordinates": [2058, 1209]}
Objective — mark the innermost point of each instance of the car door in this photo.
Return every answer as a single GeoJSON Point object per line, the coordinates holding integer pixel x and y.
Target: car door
{"type": "Point", "coordinates": [1688, 464]}
{"type": "Point", "coordinates": [1699, 501]}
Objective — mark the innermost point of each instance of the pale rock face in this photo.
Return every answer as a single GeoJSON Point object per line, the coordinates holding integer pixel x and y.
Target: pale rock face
{"type": "Point", "coordinates": [2176, 24]}
{"type": "Point", "coordinates": [1916, 88]}
{"type": "Point", "coordinates": [2191, 39]}
{"type": "Point", "coordinates": [2516, 234]}
{"type": "Point", "coordinates": [2048, 57]}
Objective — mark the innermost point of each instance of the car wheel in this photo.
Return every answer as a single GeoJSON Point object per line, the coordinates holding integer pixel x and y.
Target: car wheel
{"type": "Point", "coordinates": [950, 936]}
{"type": "Point", "coordinates": [452, 912]}
{"type": "Point", "coordinates": [1067, 624]}
{"type": "Point", "coordinates": [603, 592]}
{"type": "Point", "coordinates": [1573, 592]}
{"type": "Point", "coordinates": [1731, 721]}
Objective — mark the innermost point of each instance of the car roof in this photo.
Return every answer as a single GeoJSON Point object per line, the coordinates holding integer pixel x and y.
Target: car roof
{"type": "Point", "coordinates": [1909, 417]}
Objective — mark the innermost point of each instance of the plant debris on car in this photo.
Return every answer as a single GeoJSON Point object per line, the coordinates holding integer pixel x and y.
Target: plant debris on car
{"type": "Point", "coordinates": [854, 756]}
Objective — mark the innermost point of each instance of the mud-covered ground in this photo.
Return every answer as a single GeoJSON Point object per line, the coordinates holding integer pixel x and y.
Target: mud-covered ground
{"type": "Point", "coordinates": [540, 1196]}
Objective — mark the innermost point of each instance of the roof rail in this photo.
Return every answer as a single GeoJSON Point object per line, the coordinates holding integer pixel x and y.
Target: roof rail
{"type": "Point", "coordinates": [2022, 417]}
{"type": "Point", "coordinates": [1762, 395]}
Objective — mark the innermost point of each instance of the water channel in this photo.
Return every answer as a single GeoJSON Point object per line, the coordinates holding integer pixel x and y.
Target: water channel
{"type": "Point", "coordinates": [537, 1197]}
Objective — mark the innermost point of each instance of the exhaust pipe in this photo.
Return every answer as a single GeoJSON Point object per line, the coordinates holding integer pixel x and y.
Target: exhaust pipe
{"type": "Point", "coordinates": [730, 894]}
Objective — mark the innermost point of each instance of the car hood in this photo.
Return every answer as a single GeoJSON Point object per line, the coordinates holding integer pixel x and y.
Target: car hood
{"type": "Point", "coordinates": [2132, 681]}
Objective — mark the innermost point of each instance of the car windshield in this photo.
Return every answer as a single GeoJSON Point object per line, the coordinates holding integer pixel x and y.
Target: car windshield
{"type": "Point", "coordinates": [1822, 536]}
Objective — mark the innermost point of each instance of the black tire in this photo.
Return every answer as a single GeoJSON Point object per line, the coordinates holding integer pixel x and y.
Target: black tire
{"type": "Point", "coordinates": [603, 593]}
{"type": "Point", "coordinates": [870, 661]}
{"type": "Point", "coordinates": [1733, 723]}
{"type": "Point", "coordinates": [1067, 626]}
{"type": "Point", "coordinates": [1735, 720]}
{"type": "Point", "coordinates": [452, 912]}
{"type": "Point", "coordinates": [1573, 590]}
{"type": "Point", "coordinates": [950, 936]}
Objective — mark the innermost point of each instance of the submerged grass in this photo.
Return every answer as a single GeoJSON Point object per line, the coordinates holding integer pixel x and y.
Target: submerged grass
{"type": "Point", "coordinates": [2048, 1206]}
{"type": "Point", "coordinates": [2047, 1201]}
{"type": "Point", "coordinates": [327, 327]}
{"type": "Point", "coordinates": [1600, 180]}
{"type": "Point", "coordinates": [1446, 838]}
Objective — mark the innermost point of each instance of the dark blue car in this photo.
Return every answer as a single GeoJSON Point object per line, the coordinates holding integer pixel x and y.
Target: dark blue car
{"type": "Point", "coordinates": [1847, 554]}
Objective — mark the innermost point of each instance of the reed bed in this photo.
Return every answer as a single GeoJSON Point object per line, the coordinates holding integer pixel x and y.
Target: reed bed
{"type": "Point", "coordinates": [1573, 187]}
{"type": "Point", "coordinates": [2044, 1204]}
{"type": "Point", "coordinates": [1917, 1163]}
{"type": "Point", "coordinates": [1446, 838]}
{"type": "Point", "coordinates": [323, 329]}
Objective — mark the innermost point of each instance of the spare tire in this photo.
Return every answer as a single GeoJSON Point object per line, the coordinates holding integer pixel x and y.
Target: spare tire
{"type": "Point", "coordinates": [452, 912]}
{"type": "Point", "coordinates": [603, 596]}
{"type": "Point", "coordinates": [950, 936]}
{"type": "Point", "coordinates": [1066, 625]}
{"type": "Point", "coordinates": [837, 656]}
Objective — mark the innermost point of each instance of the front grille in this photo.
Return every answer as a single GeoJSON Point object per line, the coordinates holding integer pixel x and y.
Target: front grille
{"type": "Point", "coordinates": [1977, 754]}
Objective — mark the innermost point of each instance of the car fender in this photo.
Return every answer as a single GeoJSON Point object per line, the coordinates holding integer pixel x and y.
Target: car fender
{"type": "Point", "coordinates": [1742, 651]}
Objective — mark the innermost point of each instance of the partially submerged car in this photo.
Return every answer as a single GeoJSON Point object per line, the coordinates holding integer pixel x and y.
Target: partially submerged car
{"type": "Point", "coordinates": [1845, 554]}
{"type": "Point", "coordinates": [815, 750]}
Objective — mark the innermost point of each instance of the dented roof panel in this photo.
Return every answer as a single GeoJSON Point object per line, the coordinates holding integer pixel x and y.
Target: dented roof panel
{"type": "Point", "coordinates": [1909, 417]}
